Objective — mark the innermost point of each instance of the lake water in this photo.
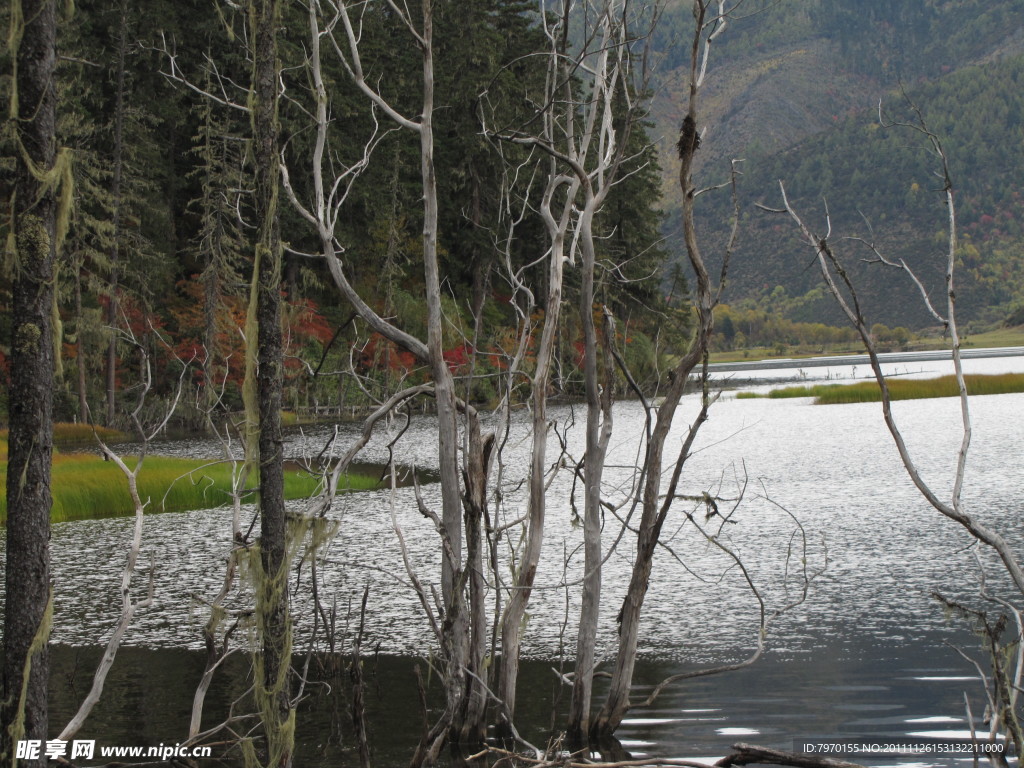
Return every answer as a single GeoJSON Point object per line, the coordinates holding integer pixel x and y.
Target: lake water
{"type": "Point", "coordinates": [867, 653]}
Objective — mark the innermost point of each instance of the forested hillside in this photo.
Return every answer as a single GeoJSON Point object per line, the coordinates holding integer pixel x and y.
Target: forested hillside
{"type": "Point", "coordinates": [796, 93]}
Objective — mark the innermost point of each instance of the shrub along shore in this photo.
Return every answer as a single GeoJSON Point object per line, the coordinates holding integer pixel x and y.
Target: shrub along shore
{"type": "Point", "coordinates": [85, 486]}
{"type": "Point", "coordinates": [899, 389]}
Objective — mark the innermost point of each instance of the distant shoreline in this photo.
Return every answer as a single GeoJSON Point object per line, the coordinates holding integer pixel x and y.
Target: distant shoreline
{"type": "Point", "coordinates": [863, 359]}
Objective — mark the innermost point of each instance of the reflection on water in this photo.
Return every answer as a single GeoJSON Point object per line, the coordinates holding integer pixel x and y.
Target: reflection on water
{"type": "Point", "coordinates": [848, 689]}
{"type": "Point", "coordinates": [864, 654]}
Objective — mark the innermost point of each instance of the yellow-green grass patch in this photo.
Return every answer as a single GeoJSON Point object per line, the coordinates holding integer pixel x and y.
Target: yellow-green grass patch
{"type": "Point", "coordinates": [85, 486]}
{"type": "Point", "coordinates": [69, 434]}
{"type": "Point", "coordinates": [899, 389]}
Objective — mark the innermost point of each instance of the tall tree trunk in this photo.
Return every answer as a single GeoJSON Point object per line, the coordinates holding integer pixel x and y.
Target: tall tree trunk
{"type": "Point", "coordinates": [454, 630]}
{"type": "Point", "coordinates": [274, 659]}
{"type": "Point", "coordinates": [23, 705]}
{"type": "Point", "coordinates": [656, 503]}
{"type": "Point", "coordinates": [512, 620]}
{"type": "Point", "coordinates": [473, 724]}
{"type": "Point", "coordinates": [83, 402]}
{"type": "Point", "coordinates": [598, 431]}
{"type": "Point", "coordinates": [456, 626]}
{"type": "Point", "coordinates": [115, 194]}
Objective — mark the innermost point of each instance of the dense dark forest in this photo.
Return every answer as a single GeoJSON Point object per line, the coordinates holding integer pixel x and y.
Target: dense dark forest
{"type": "Point", "coordinates": [160, 234]}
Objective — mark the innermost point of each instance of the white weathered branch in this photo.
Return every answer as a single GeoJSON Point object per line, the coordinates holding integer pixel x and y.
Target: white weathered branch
{"type": "Point", "coordinates": [830, 267]}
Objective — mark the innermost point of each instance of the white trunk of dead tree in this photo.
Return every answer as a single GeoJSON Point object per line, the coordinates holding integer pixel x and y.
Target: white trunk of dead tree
{"type": "Point", "coordinates": [322, 214]}
{"type": "Point", "coordinates": [655, 507]}
{"type": "Point", "coordinates": [512, 619]}
{"type": "Point", "coordinates": [129, 605]}
{"type": "Point", "coordinates": [578, 133]}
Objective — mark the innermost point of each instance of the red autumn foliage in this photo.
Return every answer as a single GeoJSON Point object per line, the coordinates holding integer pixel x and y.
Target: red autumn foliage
{"type": "Point", "coordinates": [458, 356]}
{"type": "Point", "coordinates": [305, 323]}
{"type": "Point", "coordinates": [381, 354]}
{"type": "Point", "coordinates": [581, 351]}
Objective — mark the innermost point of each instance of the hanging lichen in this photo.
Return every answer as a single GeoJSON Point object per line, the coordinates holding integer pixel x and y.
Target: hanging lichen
{"type": "Point", "coordinates": [319, 530]}
{"type": "Point", "coordinates": [15, 32]}
{"type": "Point", "coordinates": [16, 729]}
{"type": "Point", "coordinates": [270, 591]}
{"type": "Point", "coordinates": [56, 181]}
{"type": "Point", "coordinates": [229, 27]}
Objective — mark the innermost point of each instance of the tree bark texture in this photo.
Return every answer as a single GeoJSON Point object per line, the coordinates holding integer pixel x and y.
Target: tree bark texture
{"type": "Point", "coordinates": [473, 726]}
{"type": "Point", "coordinates": [455, 625]}
{"type": "Point", "coordinates": [23, 709]}
{"type": "Point", "coordinates": [598, 432]}
{"type": "Point", "coordinates": [272, 593]}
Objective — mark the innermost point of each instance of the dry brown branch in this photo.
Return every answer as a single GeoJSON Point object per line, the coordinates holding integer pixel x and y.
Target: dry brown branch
{"type": "Point", "coordinates": [746, 754]}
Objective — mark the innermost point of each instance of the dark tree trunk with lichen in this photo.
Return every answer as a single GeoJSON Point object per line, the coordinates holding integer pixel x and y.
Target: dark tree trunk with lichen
{"type": "Point", "coordinates": [23, 707]}
{"type": "Point", "coordinates": [272, 591]}
{"type": "Point", "coordinates": [115, 194]}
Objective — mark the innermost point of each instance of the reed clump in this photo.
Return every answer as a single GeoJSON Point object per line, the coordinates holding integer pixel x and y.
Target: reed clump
{"type": "Point", "coordinates": [899, 389]}
{"type": "Point", "coordinates": [72, 434]}
{"type": "Point", "coordinates": [66, 433]}
{"type": "Point", "coordinates": [85, 486]}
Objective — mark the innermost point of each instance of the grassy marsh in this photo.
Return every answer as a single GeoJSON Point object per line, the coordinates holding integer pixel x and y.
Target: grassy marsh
{"type": "Point", "coordinates": [899, 389]}
{"type": "Point", "coordinates": [85, 486]}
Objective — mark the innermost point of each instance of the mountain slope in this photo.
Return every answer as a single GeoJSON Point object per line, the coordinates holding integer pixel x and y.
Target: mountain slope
{"type": "Point", "coordinates": [797, 98]}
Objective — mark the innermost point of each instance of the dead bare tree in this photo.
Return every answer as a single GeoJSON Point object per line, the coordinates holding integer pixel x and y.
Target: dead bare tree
{"type": "Point", "coordinates": [585, 153]}
{"type": "Point", "coordinates": [338, 24]}
{"type": "Point", "coordinates": [129, 604]}
{"type": "Point", "coordinates": [710, 20]}
{"type": "Point", "coordinates": [844, 292]}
